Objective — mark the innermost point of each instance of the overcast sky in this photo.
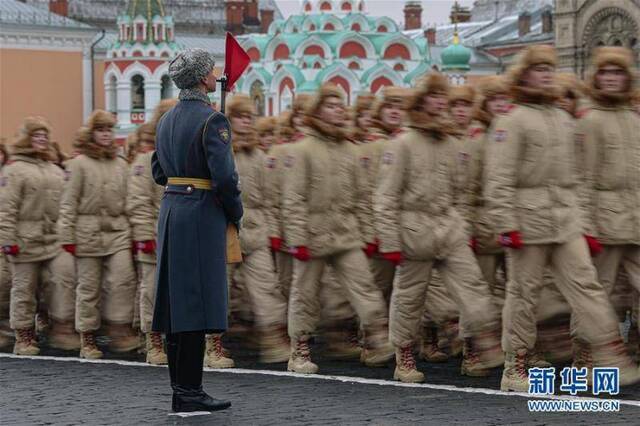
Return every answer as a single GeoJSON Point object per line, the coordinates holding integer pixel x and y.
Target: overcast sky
{"type": "Point", "coordinates": [435, 11]}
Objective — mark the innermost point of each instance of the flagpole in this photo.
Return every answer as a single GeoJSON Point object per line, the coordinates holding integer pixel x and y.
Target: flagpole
{"type": "Point", "coordinates": [223, 95]}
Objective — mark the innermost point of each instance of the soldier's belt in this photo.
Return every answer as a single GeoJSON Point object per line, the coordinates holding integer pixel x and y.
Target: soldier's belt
{"type": "Point", "coordinates": [195, 183]}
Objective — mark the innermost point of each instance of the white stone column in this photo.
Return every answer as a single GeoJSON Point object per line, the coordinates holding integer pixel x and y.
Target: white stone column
{"type": "Point", "coordinates": [110, 97]}
{"type": "Point", "coordinates": [87, 84]}
{"type": "Point", "coordinates": [152, 93]}
{"type": "Point", "coordinates": [124, 103]}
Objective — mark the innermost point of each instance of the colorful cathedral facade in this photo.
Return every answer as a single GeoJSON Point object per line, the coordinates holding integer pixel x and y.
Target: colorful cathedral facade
{"type": "Point", "coordinates": [338, 42]}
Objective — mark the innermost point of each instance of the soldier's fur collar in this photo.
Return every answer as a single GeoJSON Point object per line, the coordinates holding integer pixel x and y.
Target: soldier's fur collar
{"type": "Point", "coordinates": [386, 129]}
{"type": "Point", "coordinates": [24, 151]}
{"type": "Point", "coordinates": [333, 133]}
{"type": "Point", "coordinates": [483, 116]}
{"type": "Point", "coordinates": [610, 100]}
{"type": "Point", "coordinates": [85, 145]}
{"type": "Point", "coordinates": [437, 127]}
{"type": "Point", "coordinates": [528, 95]}
{"type": "Point", "coordinates": [244, 142]}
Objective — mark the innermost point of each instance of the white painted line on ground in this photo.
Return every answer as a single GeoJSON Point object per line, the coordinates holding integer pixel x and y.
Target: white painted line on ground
{"type": "Point", "coordinates": [343, 379]}
{"type": "Point", "coordinates": [191, 414]}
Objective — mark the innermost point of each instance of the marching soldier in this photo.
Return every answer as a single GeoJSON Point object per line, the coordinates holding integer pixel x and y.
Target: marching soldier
{"type": "Point", "coordinates": [30, 189]}
{"type": "Point", "coordinates": [420, 228]}
{"type": "Point", "coordinates": [609, 135]}
{"type": "Point", "coordinates": [532, 193]}
{"type": "Point", "coordinates": [362, 118]}
{"type": "Point", "coordinates": [267, 301]}
{"type": "Point", "coordinates": [323, 211]}
{"type": "Point", "coordinates": [143, 207]}
{"type": "Point", "coordinates": [94, 228]}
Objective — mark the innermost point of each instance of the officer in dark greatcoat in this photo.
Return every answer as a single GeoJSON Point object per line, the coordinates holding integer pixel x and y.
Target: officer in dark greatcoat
{"type": "Point", "coordinates": [194, 161]}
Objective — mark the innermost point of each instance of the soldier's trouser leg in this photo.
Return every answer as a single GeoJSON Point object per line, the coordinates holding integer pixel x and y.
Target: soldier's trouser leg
{"type": "Point", "coordinates": [61, 275]}
{"type": "Point", "coordinates": [352, 272]}
{"type": "Point", "coordinates": [383, 272]}
{"type": "Point", "coordinates": [305, 290]}
{"type": "Point", "coordinates": [609, 261]}
{"type": "Point", "coordinates": [5, 294]}
{"type": "Point", "coordinates": [336, 310]}
{"type": "Point", "coordinates": [463, 278]}
{"type": "Point", "coordinates": [90, 272]}
{"type": "Point", "coordinates": [439, 305]}
{"type": "Point", "coordinates": [269, 305]}
{"type": "Point", "coordinates": [147, 294]}
{"type": "Point", "coordinates": [119, 288]}
{"type": "Point", "coordinates": [24, 285]}
{"type": "Point", "coordinates": [137, 273]}
{"type": "Point", "coordinates": [284, 267]}
{"type": "Point", "coordinates": [407, 301]}
{"type": "Point", "coordinates": [489, 264]}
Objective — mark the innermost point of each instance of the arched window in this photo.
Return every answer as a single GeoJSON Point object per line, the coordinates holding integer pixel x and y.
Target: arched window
{"type": "Point", "coordinates": [329, 27]}
{"type": "Point", "coordinates": [317, 65]}
{"type": "Point", "coordinates": [356, 27]}
{"type": "Point", "coordinates": [257, 96]}
{"type": "Point", "coordinates": [352, 48]}
{"type": "Point", "coordinates": [281, 52]}
{"type": "Point", "coordinates": [397, 50]}
{"type": "Point", "coordinates": [346, 6]}
{"type": "Point", "coordinates": [398, 67]}
{"type": "Point", "coordinates": [314, 49]}
{"type": "Point", "coordinates": [166, 91]}
{"type": "Point", "coordinates": [137, 92]}
{"type": "Point", "coordinates": [254, 54]}
{"type": "Point", "coordinates": [382, 29]}
{"type": "Point", "coordinates": [325, 6]}
{"type": "Point", "coordinates": [354, 66]}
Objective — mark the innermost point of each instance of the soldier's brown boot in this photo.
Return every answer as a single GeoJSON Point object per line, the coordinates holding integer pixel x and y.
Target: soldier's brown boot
{"type": "Point", "coordinates": [42, 322]}
{"type": "Point", "coordinates": [406, 370]}
{"type": "Point", "coordinates": [274, 345]}
{"type": "Point", "coordinates": [582, 358]}
{"type": "Point", "coordinates": [63, 335]}
{"type": "Point", "coordinates": [300, 359]}
{"type": "Point", "coordinates": [123, 338]}
{"type": "Point", "coordinates": [451, 329]}
{"type": "Point", "coordinates": [377, 350]}
{"type": "Point", "coordinates": [554, 336]}
{"type": "Point", "coordinates": [342, 344]}
{"type": "Point", "coordinates": [536, 359]}
{"type": "Point", "coordinates": [471, 365]}
{"type": "Point", "coordinates": [614, 354]}
{"type": "Point", "coordinates": [26, 343]}
{"type": "Point", "coordinates": [515, 376]}
{"type": "Point", "coordinates": [88, 347]}
{"type": "Point", "coordinates": [488, 348]}
{"type": "Point", "coordinates": [215, 356]}
{"type": "Point", "coordinates": [155, 349]}
{"type": "Point", "coordinates": [429, 350]}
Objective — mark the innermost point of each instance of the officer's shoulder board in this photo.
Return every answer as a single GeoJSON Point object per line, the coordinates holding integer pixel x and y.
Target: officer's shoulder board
{"type": "Point", "coordinates": [218, 121]}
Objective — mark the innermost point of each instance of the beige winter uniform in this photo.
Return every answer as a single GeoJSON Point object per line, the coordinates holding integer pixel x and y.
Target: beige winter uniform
{"type": "Point", "coordinates": [324, 212]}
{"type": "Point", "coordinates": [143, 206]}
{"type": "Point", "coordinates": [415, 215]}
{"type": "Point", "coordinates": [268, 303]}
{"type": "Point", "coordinates": [29, 202]}
{"type": "Point", "coordinates": [609, 135]}
{"type": "Point", "coordinates": [532, 188]}
{"type": "Point", "coordinates": [93, 217]}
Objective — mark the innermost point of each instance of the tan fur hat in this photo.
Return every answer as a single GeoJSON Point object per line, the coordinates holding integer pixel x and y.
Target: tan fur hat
{"type": "Point", "coordinates": [30, 125]}
{"type": "Point", "coordinates": [363, 103]}
{"type": "Point", "coordinates": [146, 133]}
{"type": "Point", "coordinates": [610, 55]}
{"type": "Point", "coordinates": [463, 93]}
{"type": "Point", "coordinates": [529, 57]}
{"type": "Point", "coordinates": [240, 104]}
{"type": "Point", "coordinates": [432, 83]}
{"type": "Point", "coordinates": [569, 83]}
{"type": "Point", "coordinates": [493, 85]}
{"type": "Point", "coordinates": [163, 107]}
{"type": "Point", "coordinates": [327, 90]}
{"type": "Point", "coordinates": [266, 125]}
{"type": "Point", "coordinates": [99, 119]}
{"type": "Point", "coordinates": [613, 55]}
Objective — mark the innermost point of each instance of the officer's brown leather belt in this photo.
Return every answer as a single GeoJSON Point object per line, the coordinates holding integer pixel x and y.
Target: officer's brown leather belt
{"type": "Point", "coordinates": [195, 183]}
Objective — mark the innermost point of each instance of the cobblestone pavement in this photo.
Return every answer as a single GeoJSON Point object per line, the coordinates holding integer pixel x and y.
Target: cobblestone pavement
{"type": "Point", "coordinates": [53, 391]}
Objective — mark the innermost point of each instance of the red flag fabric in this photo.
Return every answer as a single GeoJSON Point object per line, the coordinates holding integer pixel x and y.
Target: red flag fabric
{"type": "Point", "coordinates": [235, 62]}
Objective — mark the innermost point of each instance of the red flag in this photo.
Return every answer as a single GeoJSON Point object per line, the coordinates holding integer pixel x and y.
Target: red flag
{"type": "Point", "coordinates": [235, 62]}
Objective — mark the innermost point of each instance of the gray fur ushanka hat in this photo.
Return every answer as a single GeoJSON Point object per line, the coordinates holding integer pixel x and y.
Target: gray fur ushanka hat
{"type": "Point", "coordinates": [190, 67]}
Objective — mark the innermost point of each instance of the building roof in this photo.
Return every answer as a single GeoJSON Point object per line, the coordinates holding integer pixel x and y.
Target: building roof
{"type": "Point", "coordinates": [18, 13]}
{"type": "Point", "coordinates": [211, 43]}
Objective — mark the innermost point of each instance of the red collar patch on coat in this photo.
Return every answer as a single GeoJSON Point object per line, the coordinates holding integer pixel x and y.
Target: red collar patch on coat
{"type": "Point", "coordinates": [500, 135]}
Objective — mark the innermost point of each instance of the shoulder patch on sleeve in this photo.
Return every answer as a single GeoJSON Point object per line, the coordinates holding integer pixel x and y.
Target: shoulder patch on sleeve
{"type": "Point", "coordinates": [271, 162]}
{"type": "Point", "coordinates": [500, 135]}
{"type": "Point", "coordinates": [289, 160]}
{"type": "Point", "coordinates": [67, 175]}
{"type": "Point", "coordinates": [3, 181]}
{"type": "Point", "coordinates": [388, 157]}
{"type": "Point", "coordinates": [138, 170]}
{"type": "Point", "coordinates": [365, 161]}
{"type": "Point", "coordinates": [218, 124]}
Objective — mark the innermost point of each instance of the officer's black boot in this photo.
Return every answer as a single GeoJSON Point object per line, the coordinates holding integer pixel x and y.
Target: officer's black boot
{"type": "Point", "coordinates": [188, 393]}
{"type": "Point", "coordinates": [172, 358]}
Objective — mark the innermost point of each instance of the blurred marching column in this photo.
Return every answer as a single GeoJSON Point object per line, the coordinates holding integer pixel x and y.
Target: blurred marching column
{"type": "Point", "coordinates": [324, 221]}
{"type": "Point", "coordinates": [93, 227]}
{"type": "Point", "coordinates": [30, 189]}
{"type": "Point", "coordinates": [536, 208]}
{"type": "Point", "coordinates": [290, 130]}
{"type": "Point", "coordinates": [608, 136]}
{"type": "Point", "coordinates": [143, 207]}
{"type": "Point", "coordinates": [267, 302]}
{"type": "Point", "coordinates": [6, 335]}
{"type": "Point", "coordinates": [420, 227]}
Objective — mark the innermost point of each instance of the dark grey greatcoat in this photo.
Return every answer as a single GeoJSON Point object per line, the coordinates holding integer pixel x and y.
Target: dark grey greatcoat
{"type": "Point", "coordinates": [194, 141]}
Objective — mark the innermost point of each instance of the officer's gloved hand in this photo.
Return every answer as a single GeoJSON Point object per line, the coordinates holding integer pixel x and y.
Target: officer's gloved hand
{"type": "Point", "coordinates": [147, 247]}
{"type": "Point", "coordinates": [11, 250]}
{"type": "Point", "coordinates": [276, 243]}
{"type": "Point", "coordinates": [595, 248]}
{"type": "Point", "coordinates": [69, 248]}
{"type": "Point", "coordinates": [511, 239]}
{"type": "Point", "coordinates": [301, 253]}
{"type": "Point", "coordinates": [394, 257]}
{"type": "Point", "coordinates": [371, 249]}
